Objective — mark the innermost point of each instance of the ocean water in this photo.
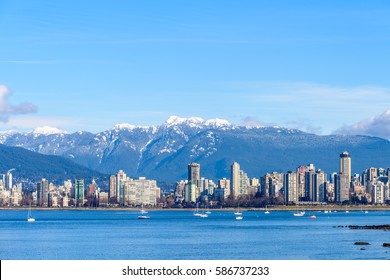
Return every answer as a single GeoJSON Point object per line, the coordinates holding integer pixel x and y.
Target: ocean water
{"type": "Point", "coordinates": [179, 235]}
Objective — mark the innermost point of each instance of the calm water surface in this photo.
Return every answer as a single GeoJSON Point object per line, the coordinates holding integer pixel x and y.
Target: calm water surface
{"type": "Point", "coordinates": [178, 235]}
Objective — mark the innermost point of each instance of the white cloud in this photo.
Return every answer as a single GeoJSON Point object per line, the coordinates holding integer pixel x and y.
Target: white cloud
{"type": "Point", "coordinates": [378, 125]}
{"type": "Point", "coordinates": [7, 110]}
{"type": "Point", "coordinates": [310, 107]}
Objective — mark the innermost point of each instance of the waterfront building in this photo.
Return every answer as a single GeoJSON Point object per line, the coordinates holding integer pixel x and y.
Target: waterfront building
{"type": "Point", "coordinates": [276, 187]}
{"type": "Point", "coordinates": [202, 187]}
{"type": "Point", "coordinates": [301, 171]}
{"type": "Point", "coordinates": [65, 201]}
{"type": "Point", "coordinates": [190, 192]}
{"type": "Point", "coordinates": [342, 188]}
{"type": "Point", "coordinates": [235, 180]}
{"type": "Point", "coordinates": [194, 173]}
{"type": "Point", "coordinates": [219, 194]}
{"type": "Point", "coordinates": [272, 184]}
{"type": "Point", "coordinates": [378, 192]}
{"type": "Point", "coordinates": [43, 193]}
{"type": "Point", "coordinates": [180, 189]}
{"type": "Point", "coordinates": [103, 198]}
{"type": "Point", "coordinates": [345, 167]}
{"type": "Point", "coordinates": [254, 186]}
{"type": "Point", "coordinates": [224, 184]}
{"type": "Point", "coordinates": [265, 183]}
{"type": "Point", "coordinates": [112, 187]}
{"type": "Point", "coordinates": [79, 192]}
{"type": "Point", "coordinates": [9, 180]}
{"type": "Point", "coordinates": [320, 184]}
{"type": "Point", "coordinates": [210, 188]}
{"type": "Point", "coordinates": [330, 194]}
{"type": "Point", "coordinates": [244, 183]}
{"type": "Point", "coordinates": [359, 189]}
{"type": "Point", "coordinates": [16, 195]}
{"type": "Point", "coordinates": [310, 184]}
{"type": "Point", "coordinates": [141, 191]}
{"type": "Point", "coordinates": [121, 179]}
{"type": "Point", "coordinates": [290, 183]}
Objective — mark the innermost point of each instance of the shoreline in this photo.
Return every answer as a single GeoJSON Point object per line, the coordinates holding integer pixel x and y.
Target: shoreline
{"type": "Point", "coordinates": [269, 208]}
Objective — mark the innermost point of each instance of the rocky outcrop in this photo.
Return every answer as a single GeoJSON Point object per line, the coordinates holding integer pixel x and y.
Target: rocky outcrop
{"type": "Point", "coordinates": [380, 227]}
{"type": "Point", "coordinates": [361, 243]}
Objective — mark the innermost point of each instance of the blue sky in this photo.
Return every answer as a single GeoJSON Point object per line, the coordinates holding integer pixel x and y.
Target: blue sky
{"type": "Point", "coordinates": [319, 66]}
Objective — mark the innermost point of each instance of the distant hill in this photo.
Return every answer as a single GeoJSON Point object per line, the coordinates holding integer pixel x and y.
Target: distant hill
{"type": "Point", "coordinates": [163, 152]}
{"type": "Point", "coordinates": [35, 166]}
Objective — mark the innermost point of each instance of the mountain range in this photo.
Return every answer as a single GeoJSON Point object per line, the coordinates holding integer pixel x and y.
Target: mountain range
{"type": "Point", "coordinates": [29, 166]}
{"type": "Point", "coordinates": [163, 152]}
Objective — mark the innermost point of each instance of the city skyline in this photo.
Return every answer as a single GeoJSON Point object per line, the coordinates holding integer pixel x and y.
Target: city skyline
{"type": "Point", "coordinates": [319, 67]}
{"type": "Point", "coordinates": [305, 184]}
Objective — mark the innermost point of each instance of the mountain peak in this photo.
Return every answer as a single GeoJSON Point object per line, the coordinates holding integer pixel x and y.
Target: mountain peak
{"type": "Point", "coordinates": [121, 126]}
{"type": "Point", "coordinates": [47, 130]}
{"type": "Point", "coordinates": [196, 121]}
{"type": "Point", "coordinates": [175, 120]}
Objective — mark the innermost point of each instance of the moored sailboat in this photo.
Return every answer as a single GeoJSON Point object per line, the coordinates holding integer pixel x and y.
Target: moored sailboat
{"type": "Point", "coordinates": [29, 216]}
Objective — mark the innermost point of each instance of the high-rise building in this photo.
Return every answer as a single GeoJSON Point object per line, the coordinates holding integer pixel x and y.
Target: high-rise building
{"type": "Point", "coordinates": [345, 166]}
{"type": "Point", "coordinates": [194, 173]}
{"type": "Point", "coordinates": [190, 192]}
{"type": "Point", "coordinates": [43, 193]}
{"type": "Point", "coordinates": [265, 183]}
{"type": "Point", "coordinates": [310, 184]}
{"type": "Point", "coordinates": [121, 179]}
{"type": "Point", "coordinates": [9, 181]}
{"type": "Point", "coordinates": [378, 192]}
{"type": "Point", "coordinates": [320, 186]}
{"type": "Point", "coordinates": [112, 186]}
{"type": "Point", "coordinates": [290, 187]}
{"type": "Point", "coordinates": [345, 174]}
{"type": "Point", "coordinates": [244, 183]}
{"type": "Point", "coordinates": [225, 184]}
{"type": "Point", "coordinates": [235, 180]}
{"type": "Point", "coordinates": [141, 191]}
{"type": "Point", "coordinates": [301, 170]}
{"type": "Point", "coordinates": [342, 188]}
{"type": "Point", "coordinates": [79, 192]}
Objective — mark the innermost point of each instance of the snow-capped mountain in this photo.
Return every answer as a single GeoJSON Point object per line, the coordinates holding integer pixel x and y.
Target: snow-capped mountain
{"type": "Point", "coordinates": [163, 152]}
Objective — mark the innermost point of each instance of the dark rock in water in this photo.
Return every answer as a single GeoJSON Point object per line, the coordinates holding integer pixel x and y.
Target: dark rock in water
{"type": "Point", "coordinates": [380, 227]}
{"type": "Point", "coordinates": [386, 244]}
{"type": "Point", "coordinates": [361, 243]}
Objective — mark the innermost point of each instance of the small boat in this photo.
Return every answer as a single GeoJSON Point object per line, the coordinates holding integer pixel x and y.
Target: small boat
{"type": "Point", "coordinates": [143, 217]}
{"type": "Point", "coordinates": [30, 219]}
{"type": "Point", "coordinates": [196, 213]}
{"type": "Point", "coordinates": [142, 211]}
{"type": "Point", "coordinates": [366, 211]}
{"type": "Point", "coordinates": [239, 218]}
{"type": "Point", "coordinates": [266, 210]}
{"type": "Point", "coordinates": [313, 217]}
{"type": "Point", "coordinates": [299, 214]}
{"type": "Point", "coordinates": [203, 215]}
{"type": "Point", "coordinates": [326, 211]}
{"type": "Point", "coordinates": [238, 213]}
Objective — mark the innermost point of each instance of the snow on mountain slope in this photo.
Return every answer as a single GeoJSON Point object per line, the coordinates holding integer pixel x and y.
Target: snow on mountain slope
{"type": "Point", "coordinates": [163, 152]}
